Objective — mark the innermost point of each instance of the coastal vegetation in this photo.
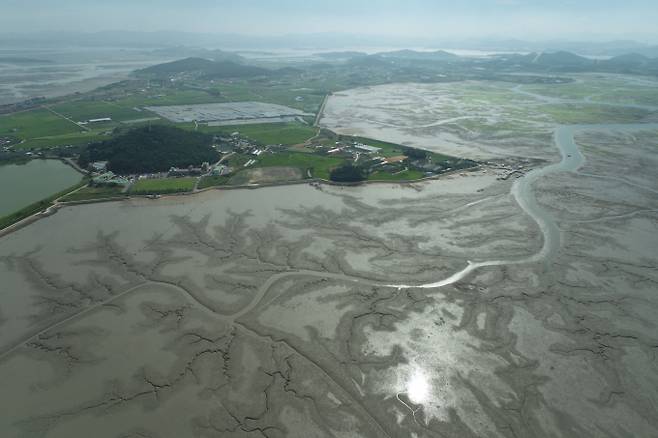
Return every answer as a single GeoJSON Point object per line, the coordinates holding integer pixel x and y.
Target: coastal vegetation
{"type": "Point", "coordinates": [162, 185]}
{"type": "Point", "coordinates": [152, 149]}
{"type": "Point", "coordinates": [348, 173]}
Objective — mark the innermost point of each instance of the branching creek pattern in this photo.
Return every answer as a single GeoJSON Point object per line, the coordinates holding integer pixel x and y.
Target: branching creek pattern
{"type": "Point", "coordinates": [467, 306]}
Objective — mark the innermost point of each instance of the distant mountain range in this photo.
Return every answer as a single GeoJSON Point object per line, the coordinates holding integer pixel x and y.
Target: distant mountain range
{"type": "Point", "coordinates": [18, 60]}
{"type": "Point", "coordinates": [541, 62]}
{"type": "Point", "coordinates": [317, 41]}
{"type": "Point", "coordinates": [560, 61]}
{"type": "Point", "coordinates": [566, 61]}
{"type": "Point", "coordinates": [197, 52]}
{"type": "Point", "coordinates": [438, 55]}
{"type": "Point", "coordinates": [209, 69]}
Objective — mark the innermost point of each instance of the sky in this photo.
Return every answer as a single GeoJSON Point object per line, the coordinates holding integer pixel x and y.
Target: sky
{"type": "Point", "coordinates": [453, 19]}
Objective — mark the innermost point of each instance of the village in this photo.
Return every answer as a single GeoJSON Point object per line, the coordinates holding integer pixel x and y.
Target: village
{"type": "Point", "coordinates": [315, 158]}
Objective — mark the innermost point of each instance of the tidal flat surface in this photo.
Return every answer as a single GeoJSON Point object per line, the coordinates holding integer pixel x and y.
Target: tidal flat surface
{"type": "Point", "coordinates": [305, 312]}
{"type": "Point", "coordinates": [488, 119]}
{"type": "Point", "coordinates": [24, 184]}
{"type": "Point", "coordinates": [60, 72]}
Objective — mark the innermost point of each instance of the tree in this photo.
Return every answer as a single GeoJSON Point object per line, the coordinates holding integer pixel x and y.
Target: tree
{"type": "Point", "coordinates": [152, 149]}
{"type": "Point", "coordinates": [348, 173]}
{"type": "Point", "coordinates": [415, 154]}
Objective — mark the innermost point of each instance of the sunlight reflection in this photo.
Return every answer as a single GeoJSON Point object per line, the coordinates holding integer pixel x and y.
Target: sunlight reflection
{"type": "Point", "coordinates": [418, 386]}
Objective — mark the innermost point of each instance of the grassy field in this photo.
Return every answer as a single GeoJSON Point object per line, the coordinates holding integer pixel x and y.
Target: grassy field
{"type": "Point", "coordinates": [392, 149]}
{"type": "Point", "coordinates": [162, 185]}
{"type": "Point", "coordinates": [84, 110]}
{"type": "Point", "coordinates": [76, 138]}
{"type": "Point", "coordinates": [280, 93]}
{"type": "Point", "coordinates": [213, 181]}
{"type": "Point", "coordinates": [41, 128]}
{"type": "Point", "coordinates": [34, 124]}
{"type": "Point", "coordinates": [406, 175]}
{"type": "Point", "coordinates": [166, 96]}
{"type": "Point", "coordinates": [319, 165]}
{"type": "Point", "coordinates": [268, 133]}
{"type": "Point", "coordinates": [89, 193]}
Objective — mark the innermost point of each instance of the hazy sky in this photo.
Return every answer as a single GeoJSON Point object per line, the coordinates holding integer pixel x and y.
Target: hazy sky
{"type": "Point", "coordinates": [554, 19]}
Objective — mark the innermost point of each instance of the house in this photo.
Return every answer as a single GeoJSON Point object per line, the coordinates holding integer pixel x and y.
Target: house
{"type": "Point", "coordinates": [365, 147]}
{"type": "Point", "coordinates": [220, 170]}
{"type": "Point", "coordinates": [395, 159]}
{"type": "Point", "coordinates": [99, 166]}
{"type": "Point", "coordinates": [109, 179]}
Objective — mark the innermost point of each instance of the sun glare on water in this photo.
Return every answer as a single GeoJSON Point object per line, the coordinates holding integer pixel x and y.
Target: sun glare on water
{"type": "Point", "coordinates": [418, 387]}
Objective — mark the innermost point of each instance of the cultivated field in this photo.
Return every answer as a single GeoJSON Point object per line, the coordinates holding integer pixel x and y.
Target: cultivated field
{"type": "Point", "coordinates": [162, 185]}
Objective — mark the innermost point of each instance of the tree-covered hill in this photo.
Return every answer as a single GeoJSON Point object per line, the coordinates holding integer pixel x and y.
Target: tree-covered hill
{"type": "Point", "coordinates": [209, 69]}
{"type": "Point", "coordinates": [152, 149]}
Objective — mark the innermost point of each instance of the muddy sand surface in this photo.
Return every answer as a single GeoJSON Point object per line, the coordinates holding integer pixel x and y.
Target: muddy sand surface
{"type": "Point", "coordinates": [281, 312]}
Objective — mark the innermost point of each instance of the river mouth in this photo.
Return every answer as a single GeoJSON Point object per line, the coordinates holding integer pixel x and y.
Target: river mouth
{"type": "Point", "coordinates": [522, 190]}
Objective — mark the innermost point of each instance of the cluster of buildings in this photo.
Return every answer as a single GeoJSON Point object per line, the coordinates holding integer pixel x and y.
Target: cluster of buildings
{"type": "Point", "coordinates": [109, 178]}
{"type": "Point", "coordinates": [101, 176]}
{"type": "Point", "coordinates": [5, 142]}
{"type": "Point", "coordinates": [189, 170]}
{"type": "Point", "coordinates": [94, 121]}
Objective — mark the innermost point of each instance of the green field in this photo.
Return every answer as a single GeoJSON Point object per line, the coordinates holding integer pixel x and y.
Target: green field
{"type": "Point", "coordinates": [157, 97]}
{"type": "Point", "coordinates": [35, 123]}
{"type": "Point", "coordinates": [162, 185]}
{"type": "Point", "coordinates": [392, 149]}
{"type": "Point", "coordinates": [213, 181]}
{"type": "Point", "coordinates": [40, 128]}
{"type": "Point", "coordinates": [76, 138]}
{"type": "Point", "coordinates": [89, 193]}
{"type": "Point", "coordinates": [406, 175]}
{"type": "Point", "coordinates": [319, 165]}
{"type": "Point", "coordinates": [268, 133]}
{"type": "Point", "coordinates": [84, 110]}
{"type": "Point", "coordinates": [284, 93]}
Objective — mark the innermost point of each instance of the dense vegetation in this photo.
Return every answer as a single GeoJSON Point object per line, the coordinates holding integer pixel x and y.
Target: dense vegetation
{"type": "Point", "coordinates": [212, 69]}
{"type": "Point", "coordinates": [348, 173]}
{"type": "Point", "coordinates": [152, 149]}
{"type": "Point", "coordinates": [415, 154]}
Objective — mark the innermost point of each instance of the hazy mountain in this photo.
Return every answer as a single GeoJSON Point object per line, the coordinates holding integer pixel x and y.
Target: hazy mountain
{"type": "Point", "coordinates": [369, 61]}
{"type": "Point", "coordinates": [438, 55]}
{"type": "Point", "coordinates": [167, 39]}
{"type": "Point", "coordinates": [336, 56]}
{"type": "Point", "coordinates": [630, 59]}
{"type": "Point", "coordinates": [198, 52]}
{"type": "Point", "coordinates": [213, 69]}
{"type": "Point", "coordinates": [559, 59]}
{"type": "Point", "coordinates": [18, 60]}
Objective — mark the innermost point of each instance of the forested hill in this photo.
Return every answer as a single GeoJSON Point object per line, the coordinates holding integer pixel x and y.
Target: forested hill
{"type": "Point", "coordinates": [209, 69]}
{"type": "Point", "coordinates": [152, 149]}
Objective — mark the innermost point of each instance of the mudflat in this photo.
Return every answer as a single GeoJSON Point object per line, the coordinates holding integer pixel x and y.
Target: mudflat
{"type": "Point", "coordinates": [460, 307]}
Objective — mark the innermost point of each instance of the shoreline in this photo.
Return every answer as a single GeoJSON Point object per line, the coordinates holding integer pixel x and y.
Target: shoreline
{"type": "Point", "coordinates": [56, 205]}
